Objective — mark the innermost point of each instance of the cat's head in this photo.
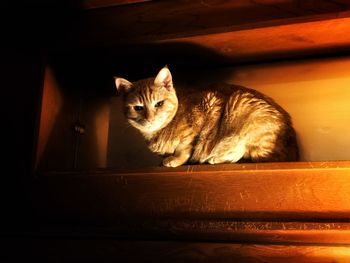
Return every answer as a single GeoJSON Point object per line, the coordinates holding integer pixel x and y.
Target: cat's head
{"type": "Point", "coordinates": [150, 104]}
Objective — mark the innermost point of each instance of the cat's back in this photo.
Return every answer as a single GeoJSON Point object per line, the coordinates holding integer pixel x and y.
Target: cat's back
{"type": "Point", "coordinates": [230, 114]}
{"type": "Point", "coordinates": [240, 99]}
{"type": "Point", "coordinates": [215, 97]}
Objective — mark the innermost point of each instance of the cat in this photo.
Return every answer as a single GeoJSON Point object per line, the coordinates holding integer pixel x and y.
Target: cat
{"type": "Point", "coordinates": [222, 124]}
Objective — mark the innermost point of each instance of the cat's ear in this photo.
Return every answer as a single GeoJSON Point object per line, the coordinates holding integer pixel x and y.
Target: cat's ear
{"type": "Point", "coordinates": [123, 85]}
{"type": "Point", "coordinates": [164, 79]}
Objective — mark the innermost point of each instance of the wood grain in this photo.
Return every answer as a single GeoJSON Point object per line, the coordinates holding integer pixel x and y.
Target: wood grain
{"type": "Point", "coordinates": [196, 200]}
{"type": "Point", "coordinates": [272, 42]}
{"type": "Point", "coordinates": [204, 230]}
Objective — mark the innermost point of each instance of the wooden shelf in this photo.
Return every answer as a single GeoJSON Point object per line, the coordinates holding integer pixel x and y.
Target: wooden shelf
{"type": "Point", "coordinates": [233, 31]}
{"type": "Point", "coordinates": [157, 20]}
{"type": "Point", "coordinates": [273, 202]}
{"type": "Point", "coordinates": [201, 213]}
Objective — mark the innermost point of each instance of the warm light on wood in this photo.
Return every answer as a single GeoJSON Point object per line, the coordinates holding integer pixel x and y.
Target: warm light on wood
{"type": "Point", "coordinates": [101, 127]}
{"type": "Point", "coordinates": [51, 106]}
{"type": "Point", "coordinates": [271, 42]}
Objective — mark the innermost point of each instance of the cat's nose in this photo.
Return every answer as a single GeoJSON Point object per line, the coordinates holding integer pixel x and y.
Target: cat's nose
{"type": "Point", "coordinates": [149, 116]}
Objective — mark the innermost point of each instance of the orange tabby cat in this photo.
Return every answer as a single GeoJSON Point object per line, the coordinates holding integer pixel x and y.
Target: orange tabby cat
{"type": "Point", "coordinates": [223, 124]}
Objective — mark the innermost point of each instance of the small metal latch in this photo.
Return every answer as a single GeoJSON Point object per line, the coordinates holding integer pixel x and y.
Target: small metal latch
{"type": "Point", "coordinates": [79, 128]}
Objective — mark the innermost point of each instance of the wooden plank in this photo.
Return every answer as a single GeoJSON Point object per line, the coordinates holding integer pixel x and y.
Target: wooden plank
{"type": "Point", "coordinates": [51, 105]}
{"type": "Point", "coordinates": [58, 113]}
{"type": "Point", "coordinates": [235, 231]}
{"type": "Point", "coordinates": [272, 232]}
{"type": "Point", "coordinates": [107, 250]}
{"type": "Point", "coordinates": [293, 40]}
{"type": "Point", "coordinates": [205, 168]}
{"type": "Point", "coordinates": [294, 203]}
{"type": "Point", "coordinates": [159, 20]}
{"type": "Point", "coordinates": [257, 192]}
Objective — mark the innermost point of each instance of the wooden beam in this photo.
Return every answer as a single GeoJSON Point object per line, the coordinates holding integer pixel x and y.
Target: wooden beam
{"type": "Point", "coordinates": [291, 40]}
{"type": "Point", "coordinates": [206, 230]}
{"type": "Point", "coordinates": [232, 31]}
{"type": "Point", "coordinates": [159, 20]}
{"type": "Point", "coordinates": [288, 192]}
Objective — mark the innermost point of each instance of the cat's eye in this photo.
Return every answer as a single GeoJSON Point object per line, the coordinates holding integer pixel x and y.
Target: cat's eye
{"type": "Point", "coordinates": [138, 108]}
{"type": "Point", "coordinates": [159, 104]}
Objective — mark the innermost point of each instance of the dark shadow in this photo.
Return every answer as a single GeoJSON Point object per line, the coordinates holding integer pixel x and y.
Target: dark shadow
{"type": "Point", "coordinates": [40, 24]}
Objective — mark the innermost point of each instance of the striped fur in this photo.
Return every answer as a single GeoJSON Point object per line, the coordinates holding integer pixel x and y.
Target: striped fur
{"type": "Point", "coordinates": [223, 124]}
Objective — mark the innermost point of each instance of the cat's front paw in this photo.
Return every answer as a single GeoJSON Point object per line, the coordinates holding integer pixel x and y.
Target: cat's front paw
{"type": "Point", "coordinates": [216, 160]}
{"type": "Point", "coordinates": [172, 161]}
